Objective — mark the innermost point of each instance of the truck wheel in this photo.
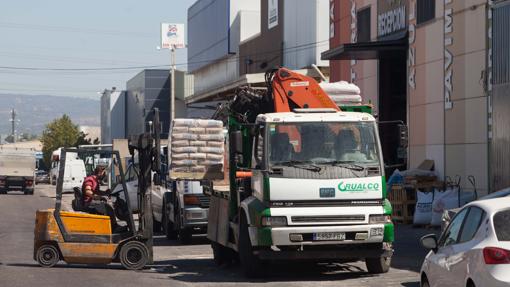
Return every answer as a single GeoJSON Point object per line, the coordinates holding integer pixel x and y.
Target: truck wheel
{"type": "Point", "coordinates": [185, 236]}
{"type": "Point", "coordinates": [378, 265]}
{"type": "Point", "coordinates": [47, 256]}
{"type": "Point", "coordinates": [222, 255]}
{"type": "Point", "coordinates": [250, 264]}
{"type": "Point", "coordinates": [133, 255]}
{"type": "Point", "coordinates": [168, 227]}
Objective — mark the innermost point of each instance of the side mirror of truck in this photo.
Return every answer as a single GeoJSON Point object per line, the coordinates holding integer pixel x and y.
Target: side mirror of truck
{"type": "Point", "coordinates": [237, 142]}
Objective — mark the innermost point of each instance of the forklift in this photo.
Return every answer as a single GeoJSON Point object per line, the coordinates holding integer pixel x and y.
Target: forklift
{"type": "Point", "coordinates": [79, 237]}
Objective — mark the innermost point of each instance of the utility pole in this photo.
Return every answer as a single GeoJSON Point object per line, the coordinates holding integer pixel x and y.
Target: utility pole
{"type": "Point", "coordinates": [13, 125]}
{"type": "Point", "coordinates": [172, 83]}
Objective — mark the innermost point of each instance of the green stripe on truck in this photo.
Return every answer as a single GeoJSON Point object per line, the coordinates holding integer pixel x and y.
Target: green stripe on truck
{"type": "Point", "coordinates": [389, 232]}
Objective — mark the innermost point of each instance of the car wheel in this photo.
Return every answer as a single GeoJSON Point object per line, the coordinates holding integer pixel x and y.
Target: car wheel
{"type": "Point", "coordinates": [133, 255]}
{"type": "Point", "coordinates": [378, 265]}
{"type": "Point", "coordinates": [424, 282]}
{"type": "Point", "coordinates": [47, 256]}
{"type": "Point", "coordinates": [156, 225]}
{"type": "Point", "coordinates": [251, 265]}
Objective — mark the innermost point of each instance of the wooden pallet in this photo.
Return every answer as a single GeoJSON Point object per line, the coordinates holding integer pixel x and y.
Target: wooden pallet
{"type": "Point", "coordinates": [403, 201]}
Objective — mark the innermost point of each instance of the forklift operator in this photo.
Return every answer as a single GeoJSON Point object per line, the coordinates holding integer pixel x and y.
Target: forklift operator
{"type": "Point", "coordinates": [92, 200]}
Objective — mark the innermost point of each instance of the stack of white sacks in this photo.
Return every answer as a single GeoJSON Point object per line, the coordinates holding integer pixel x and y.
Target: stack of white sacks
{"type": "Point", "coordinates": [197, 145]}
{"type": "Point", "coordinates": [342, 93]}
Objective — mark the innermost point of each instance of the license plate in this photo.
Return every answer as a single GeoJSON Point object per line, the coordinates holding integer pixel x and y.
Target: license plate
{"type": "Point", "coordinates": [327, 192]}
{"type": "Point", "coordinates": [329, 236]}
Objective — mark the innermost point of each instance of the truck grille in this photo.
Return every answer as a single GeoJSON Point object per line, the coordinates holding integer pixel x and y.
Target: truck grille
{"type": "Point", "coordinates": [329, 218]}
{"type": "Point", "coordinates": [204, 201]}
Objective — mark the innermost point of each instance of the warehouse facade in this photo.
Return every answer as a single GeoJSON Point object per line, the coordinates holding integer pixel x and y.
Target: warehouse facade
{"type": "Point", "coordinates": [434, 65]}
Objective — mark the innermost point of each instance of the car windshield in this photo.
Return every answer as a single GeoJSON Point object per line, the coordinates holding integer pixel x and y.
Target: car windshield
{"type": "Point", "coordinates": [323, 143]}
{"type": "Point", "coordinates": [501, 225]}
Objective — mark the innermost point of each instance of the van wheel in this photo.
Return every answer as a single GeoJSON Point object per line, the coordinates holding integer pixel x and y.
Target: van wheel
{"type": "Point", "coordinates": [378, 265]}
{"type": "Point", "coordinates": [134, 255]}
{"type": "Point", "coordinates": [47, 256]}
{"type": "Point", "coordinates": [251, 265]}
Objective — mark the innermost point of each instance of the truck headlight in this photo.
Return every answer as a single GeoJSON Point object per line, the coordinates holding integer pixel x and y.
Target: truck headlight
{"type": "Point", "coordinates": [191, 199]}
{"type": "Point", "coordinates": [379, 219]}
{"type": "Point", "coordinates": [274, 221]}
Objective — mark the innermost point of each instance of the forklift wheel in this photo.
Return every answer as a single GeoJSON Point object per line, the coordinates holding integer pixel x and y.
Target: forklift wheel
{"type": "Point", "coordinates": [134, 255]}
{"type": "Point", "coordinates": [47, 256]}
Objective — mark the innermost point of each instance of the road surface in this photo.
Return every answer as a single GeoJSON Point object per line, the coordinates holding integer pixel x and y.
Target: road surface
{"type": "Point", "coordinates": [177, 265]}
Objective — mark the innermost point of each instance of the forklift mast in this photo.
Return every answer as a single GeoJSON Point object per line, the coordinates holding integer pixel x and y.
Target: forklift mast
{"type": "Point", "coordinates": [148, 147]}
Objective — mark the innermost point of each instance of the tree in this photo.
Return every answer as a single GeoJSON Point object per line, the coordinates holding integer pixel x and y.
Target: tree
{"type": "Point", "coordinates": [82, 140]}
{"type": "Point", "coordinates": [60, 132]}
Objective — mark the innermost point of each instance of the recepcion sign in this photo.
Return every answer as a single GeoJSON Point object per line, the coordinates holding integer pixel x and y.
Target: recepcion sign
{"type": "Point", "coordinates": [391, 16]}
{"type": "Point", "coordinates": [172, 35]}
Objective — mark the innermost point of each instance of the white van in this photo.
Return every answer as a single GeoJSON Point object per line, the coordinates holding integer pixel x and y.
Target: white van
{"type": "Point", "coordinates": [74, 173]}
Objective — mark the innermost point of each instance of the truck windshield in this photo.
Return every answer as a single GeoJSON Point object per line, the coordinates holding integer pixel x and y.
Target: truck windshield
{"type": "Point", "coordinates": [323, 143]}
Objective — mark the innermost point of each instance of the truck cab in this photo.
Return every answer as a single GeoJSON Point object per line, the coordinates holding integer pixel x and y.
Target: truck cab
{"type": "Point", "coordinates": [186, 210]}
{"type": "Point", "coordinates": [315, 190]}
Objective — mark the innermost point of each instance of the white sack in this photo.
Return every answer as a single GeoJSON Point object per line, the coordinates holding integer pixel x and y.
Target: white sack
{"type": "Point", "coordinates": [423, 210]}
{"type": "Point", "coordinates": [448, 199]}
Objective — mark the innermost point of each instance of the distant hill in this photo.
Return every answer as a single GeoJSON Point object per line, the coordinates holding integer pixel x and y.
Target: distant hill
{"type": "Point", "coordinates": [34, 112]}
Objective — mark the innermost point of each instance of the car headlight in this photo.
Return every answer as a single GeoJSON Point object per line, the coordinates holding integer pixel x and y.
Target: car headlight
{"type": "Point", "coordinates": [379, 219]}
{"type": "Point", "coordinates": [274, 221]}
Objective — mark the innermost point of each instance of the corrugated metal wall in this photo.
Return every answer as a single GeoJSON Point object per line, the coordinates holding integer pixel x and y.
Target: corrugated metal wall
{"type": "Point", "coordinates": [500, 146]}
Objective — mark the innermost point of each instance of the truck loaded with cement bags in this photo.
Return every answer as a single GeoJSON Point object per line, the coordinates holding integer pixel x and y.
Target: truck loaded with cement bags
{"type": "Point", "coordinates": [17, 170]}
{"type": "Point", "coordinates": [196, 149]}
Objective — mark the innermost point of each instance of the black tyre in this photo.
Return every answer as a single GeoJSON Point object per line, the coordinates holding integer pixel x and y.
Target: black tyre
{"type": "Point", "coordinates": [251, 265]}
{"type": "Point", "coordinates": [222, 255]}
{"type": "Point", "coordinates": [156, 225]}
{"type": "Point", "coordinates": [168, 227]}
{"type": "Point", "coordinates": [378, 265]}
{"type": "Point", "coordinates": [134, 255]}
{"type": "Point", "coordinates": [47, 256]}
{"type": "Point", "coordinates": [185, 236]}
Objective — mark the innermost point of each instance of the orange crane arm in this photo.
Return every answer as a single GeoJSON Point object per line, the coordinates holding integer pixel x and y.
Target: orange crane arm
{"type": "Point", "coordinates": [294, 90]}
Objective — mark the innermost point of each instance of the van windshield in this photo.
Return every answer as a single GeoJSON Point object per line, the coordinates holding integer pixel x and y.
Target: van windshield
{"type": "Point", "coordinates": [323, 143]}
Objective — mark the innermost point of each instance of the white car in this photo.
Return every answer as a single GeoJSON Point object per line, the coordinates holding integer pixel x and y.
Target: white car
{"type": "Point", "coordinates": [474, 250]}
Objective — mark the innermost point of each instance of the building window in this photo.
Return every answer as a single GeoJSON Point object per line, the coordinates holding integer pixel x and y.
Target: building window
{"type": "Point", "coordinates": [363, 25]}
{"type": "Point", "coordinates": [426, 10]}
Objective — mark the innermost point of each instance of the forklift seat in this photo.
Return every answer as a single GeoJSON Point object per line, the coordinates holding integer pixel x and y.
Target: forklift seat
{"type": "Point", "coordinates": [77, 202]}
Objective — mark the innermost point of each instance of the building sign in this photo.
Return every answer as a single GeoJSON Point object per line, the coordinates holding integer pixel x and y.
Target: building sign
{"type": "Point", "coordinates": [272, 14]}
{"type": "Point", "coordinates": [411, 57]}
{"type": "Point", "coordinates": [172, 36]}
{"type": "Point", "coordinates": [354, 36]}
{"type": "Point", "coordinates": [391, 16]}
{"type": "Point", "coordinates": [448, 57]}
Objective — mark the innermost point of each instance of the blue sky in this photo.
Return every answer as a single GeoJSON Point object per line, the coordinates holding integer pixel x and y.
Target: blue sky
{"type": "Point", "coordinates": [82, 34]}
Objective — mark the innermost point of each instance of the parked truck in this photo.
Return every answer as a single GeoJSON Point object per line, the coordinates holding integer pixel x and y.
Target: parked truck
{"type": "Point", "coordinates": [17, 170]}
{"type": "Point", "coordinates": [306, 180]}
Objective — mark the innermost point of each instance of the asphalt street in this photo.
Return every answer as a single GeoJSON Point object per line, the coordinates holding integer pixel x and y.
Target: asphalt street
{"type": "Point", "coordinates": [178, 265]}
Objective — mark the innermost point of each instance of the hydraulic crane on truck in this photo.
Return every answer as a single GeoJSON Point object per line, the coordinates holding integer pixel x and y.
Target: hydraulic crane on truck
{"type": "Point", "coordinates": [82, 237]}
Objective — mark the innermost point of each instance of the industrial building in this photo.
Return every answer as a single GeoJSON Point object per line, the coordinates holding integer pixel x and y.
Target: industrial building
{"type": "Point", "coordinates": [439, 66]}
{"type": "Point", "coordinates": [233, 42]}
{"type": "Point", "coordinates": [126, 113]}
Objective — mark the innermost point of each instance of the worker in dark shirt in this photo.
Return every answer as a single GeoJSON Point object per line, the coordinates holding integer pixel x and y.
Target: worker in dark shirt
{"type": "Point", "coordinates": [93, 199]}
